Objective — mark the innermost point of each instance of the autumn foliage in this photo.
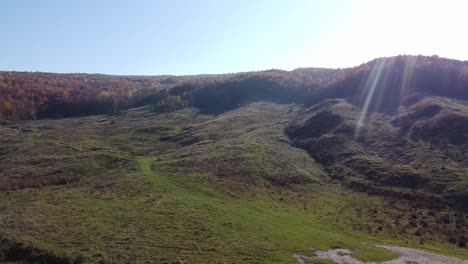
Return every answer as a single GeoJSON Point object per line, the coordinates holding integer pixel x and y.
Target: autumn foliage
{"type": "Point", "coordinates": [400, 80]}
{"type": "Point", "coordinates": [32, 95]}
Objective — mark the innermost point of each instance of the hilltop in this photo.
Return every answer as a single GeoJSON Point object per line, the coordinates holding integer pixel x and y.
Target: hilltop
{"type": "Point", "coordinates": [400, 79]}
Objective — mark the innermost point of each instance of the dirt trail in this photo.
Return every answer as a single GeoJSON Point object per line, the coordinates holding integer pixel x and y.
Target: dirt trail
{"type": "Point", "coordinates": [407, 256]}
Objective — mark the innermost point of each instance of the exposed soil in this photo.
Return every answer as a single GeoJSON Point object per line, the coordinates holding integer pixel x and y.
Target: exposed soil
{"type": "Point", "coordinates": [407, 256]}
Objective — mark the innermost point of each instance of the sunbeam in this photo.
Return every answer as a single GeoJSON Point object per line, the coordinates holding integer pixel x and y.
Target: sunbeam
{"type": "Point", "coordinates": [406, 79]}
{"type": "Point", "coordinates": [371, 82]}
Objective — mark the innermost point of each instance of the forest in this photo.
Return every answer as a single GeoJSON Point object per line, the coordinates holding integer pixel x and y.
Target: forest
{"type": "Point", "coordinates": [28, 95]}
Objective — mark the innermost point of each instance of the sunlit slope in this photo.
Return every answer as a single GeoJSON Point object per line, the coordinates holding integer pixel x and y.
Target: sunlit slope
{"type": "Point", "coordinates": [185, 187]}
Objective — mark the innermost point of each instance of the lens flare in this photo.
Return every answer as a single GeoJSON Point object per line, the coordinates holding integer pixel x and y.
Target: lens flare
{"type": "Point", "coordinates": [370, 86]}
{"type": "Point", "coordinates": [406, 80]}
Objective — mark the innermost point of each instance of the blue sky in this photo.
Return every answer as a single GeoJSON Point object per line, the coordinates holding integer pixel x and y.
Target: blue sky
{"type": "Point", "coordinates": [149, 37]}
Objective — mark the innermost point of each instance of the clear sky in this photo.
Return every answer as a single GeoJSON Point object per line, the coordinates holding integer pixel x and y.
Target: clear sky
{"type": "Point", "coordinates": [149, 37]}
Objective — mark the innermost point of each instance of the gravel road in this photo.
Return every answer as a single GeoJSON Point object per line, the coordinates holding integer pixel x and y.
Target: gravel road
{"type": "Point", "coordinates": [407, 256]}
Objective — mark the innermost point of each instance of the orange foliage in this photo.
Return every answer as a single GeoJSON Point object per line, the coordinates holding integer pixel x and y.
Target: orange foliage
{"type": "Point", "coordinates": [26, 95]}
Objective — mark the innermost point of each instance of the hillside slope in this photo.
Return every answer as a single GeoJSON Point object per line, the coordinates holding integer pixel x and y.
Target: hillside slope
{"type": "Point", "coordinates": [236, 168]}
{"type": "Point", "coordinates": [186, 187]}
{"type": "Point", "coordinates": [424, 161]}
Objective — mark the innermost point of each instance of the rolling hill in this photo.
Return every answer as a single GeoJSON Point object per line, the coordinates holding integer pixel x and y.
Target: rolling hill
{"type": "Point", "coordinates": [236, 168]}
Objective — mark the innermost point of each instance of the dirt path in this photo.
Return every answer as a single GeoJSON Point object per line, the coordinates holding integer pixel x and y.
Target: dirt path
{"type": "Point", "coordinates": [407, 256]}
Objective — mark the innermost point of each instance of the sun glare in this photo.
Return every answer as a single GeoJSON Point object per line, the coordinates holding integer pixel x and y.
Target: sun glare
{"type": "Point", "coordinates": [388, 28]}
{"type": "Point", "coordinates": [370, 87]}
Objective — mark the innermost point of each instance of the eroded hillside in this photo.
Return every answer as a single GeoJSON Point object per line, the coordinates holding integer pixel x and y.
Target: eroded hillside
{"type": "Point", "coordinates": [419, 155]}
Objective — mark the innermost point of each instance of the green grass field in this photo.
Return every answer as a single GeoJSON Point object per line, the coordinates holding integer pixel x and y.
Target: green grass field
{"type": "Point", "coordinates": [143, 199]}
{"type": "Point", "coordinates": [147, 216]}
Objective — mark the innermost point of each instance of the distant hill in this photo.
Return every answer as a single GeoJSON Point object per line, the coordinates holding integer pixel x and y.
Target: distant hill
{"type": "Point", "coordinates": [398, 80]}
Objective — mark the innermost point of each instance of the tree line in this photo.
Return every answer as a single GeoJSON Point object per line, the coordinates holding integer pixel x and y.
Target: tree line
{"type": "Point", "coordinates": [392, 82]}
